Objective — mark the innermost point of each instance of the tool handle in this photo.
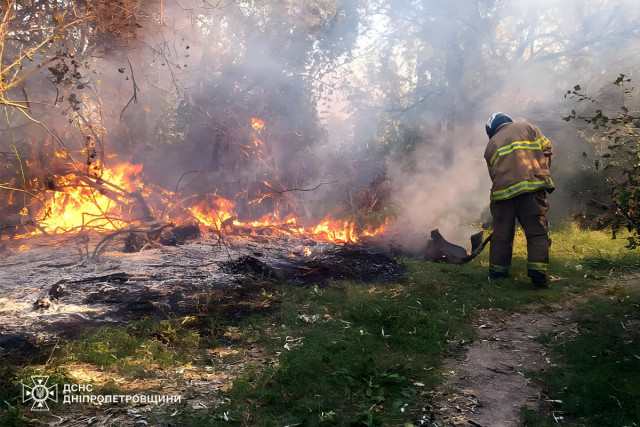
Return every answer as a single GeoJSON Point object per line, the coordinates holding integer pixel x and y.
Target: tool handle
{"type": "Point", "coordinates": [477, 250]}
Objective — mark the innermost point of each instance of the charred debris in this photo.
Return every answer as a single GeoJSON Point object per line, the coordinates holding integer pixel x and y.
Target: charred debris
{"type": "Point", "coordinates": [56, 288]}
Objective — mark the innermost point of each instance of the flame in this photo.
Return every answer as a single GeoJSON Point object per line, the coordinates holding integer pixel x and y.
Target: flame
{"type": "Point", "coordinates": [221, 217]}
{"type": "Point", "coordinates": [335, 232]}
{"type": "Point", "coordinates": [376, 231]}
{"type": "Point", "coordinates": [214, 218]}
{"type": "Point", "coordinates": [77, 202]}
{"type": "Point", "coordinates": [257, 124]}
{"type": "Point", "coordinates": [84, 201]}
{"type": "Point", "coordinates": [80, 202]}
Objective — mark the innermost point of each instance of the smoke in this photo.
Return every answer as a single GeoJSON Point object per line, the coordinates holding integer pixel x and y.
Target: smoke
{"type": "Point", "coordinates": [445, 187]}
{"type": "Point", "coordinates": [351, 93]}
{"type": "Point", "coordinates": [510, 56]}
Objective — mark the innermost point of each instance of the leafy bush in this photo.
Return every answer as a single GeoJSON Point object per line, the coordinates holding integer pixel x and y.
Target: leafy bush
{"type": "Point", "coordinates": [616, 131]}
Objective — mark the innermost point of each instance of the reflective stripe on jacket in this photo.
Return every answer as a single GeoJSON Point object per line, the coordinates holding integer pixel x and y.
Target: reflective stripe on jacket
{"type": "Point", "coordinates": [519, 159]}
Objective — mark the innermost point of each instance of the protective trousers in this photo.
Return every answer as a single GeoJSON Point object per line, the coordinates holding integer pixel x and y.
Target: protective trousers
{"type": "Point", "coordinates": [530, 209]}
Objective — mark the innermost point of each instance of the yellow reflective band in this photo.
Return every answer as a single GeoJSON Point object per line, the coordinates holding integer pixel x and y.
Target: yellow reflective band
{"type": "Point", "coordinates": [540, 266]}
{"type": "Point", "coordinates": [519, 145]}
{"type": "Point", "coordinates": [521, 187]}
{"type": "Point", "coordinates": [499, 268]}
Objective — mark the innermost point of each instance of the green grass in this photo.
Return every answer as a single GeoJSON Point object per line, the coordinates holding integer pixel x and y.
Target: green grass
{"type": "Point", "coordinates": [161, 342]}
{"type": "Point", "coordinates": [14, 372]}
{"type": "Point", "coordinates": [364, 358]}
{"type": "Point", "coordinates": [352, 353]}
{"type": "Point", "coordinates": [344, 359]}
{"type": "Point", "coordinates": [597, 381]}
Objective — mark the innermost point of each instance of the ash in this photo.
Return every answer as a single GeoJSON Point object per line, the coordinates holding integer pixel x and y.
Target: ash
{"type": "Point", "coordinates": [52, 288]}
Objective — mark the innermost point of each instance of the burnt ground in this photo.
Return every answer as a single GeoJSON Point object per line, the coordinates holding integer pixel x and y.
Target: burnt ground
{"type": "Point", "coordinates": [53, 287]}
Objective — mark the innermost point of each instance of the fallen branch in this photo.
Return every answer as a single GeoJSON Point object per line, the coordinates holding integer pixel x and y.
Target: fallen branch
{"type": "Point", "coordinates": [100, 184]}
{"type": "Point", "coordinates": [151, 228]}
{"type": "Point", "coordinates": [165, 211]}
{"type": "Point", "coordinates": [322, 182]}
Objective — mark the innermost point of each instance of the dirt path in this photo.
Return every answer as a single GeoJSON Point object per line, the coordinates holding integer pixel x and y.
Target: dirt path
{"type": "Point", "coordinates": [488, 386]}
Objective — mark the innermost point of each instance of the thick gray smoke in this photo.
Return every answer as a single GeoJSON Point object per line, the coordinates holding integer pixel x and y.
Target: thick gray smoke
{"type": "Point", "coordinates": [454, 65]}
{"type": "Point", "coordinates": [352, 93]}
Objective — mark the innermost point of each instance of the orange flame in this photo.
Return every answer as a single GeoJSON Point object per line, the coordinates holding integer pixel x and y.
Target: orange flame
{"type": "Point", "coordinates": [257, 124]}
{"type": "Point", "coordinates": [83, 202]}
{"type": "Point", "coordinates": [221, 217]}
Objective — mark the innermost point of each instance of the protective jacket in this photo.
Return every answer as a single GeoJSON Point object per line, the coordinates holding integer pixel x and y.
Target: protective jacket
{"type": "Point", "coordinates": [519, 158]}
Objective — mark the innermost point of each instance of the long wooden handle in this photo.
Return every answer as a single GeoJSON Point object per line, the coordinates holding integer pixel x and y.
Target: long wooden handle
{"type": "Point", "coordinates": [477, 250]}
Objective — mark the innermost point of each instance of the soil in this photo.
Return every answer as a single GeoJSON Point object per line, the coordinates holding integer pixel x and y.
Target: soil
{"type": "Point", "coordinates": [488, 384]}
{"type": "Point", "coordinates": [488, 380]}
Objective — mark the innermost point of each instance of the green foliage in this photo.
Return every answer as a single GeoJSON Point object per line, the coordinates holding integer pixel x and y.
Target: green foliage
{"type": "Point", "coordinates": [12, 417]}
{"type": "Point", "coordinates": [530, 418]}
{"type": "Point", "coordinates": [617, 130]}
{"type": "Point", "coordinates": [164, 342]}
{"type": "Point", "coordinates": [613, 263]}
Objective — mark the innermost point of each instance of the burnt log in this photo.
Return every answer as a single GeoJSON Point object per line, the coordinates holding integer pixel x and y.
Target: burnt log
{"type": "Point", "coordinates": [135, 242]}
{"type": "Point", "coordinates": [138, 240]}
{"type": "Point", "coordinates": [440, 250]}
{"type": "Point", "coordinates": [348, 262]}
{"type": "Point", "coordinates": [179, 235]}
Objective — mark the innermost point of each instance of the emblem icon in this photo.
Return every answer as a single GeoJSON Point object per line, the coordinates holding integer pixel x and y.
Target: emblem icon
{"type": "Point", "coordinates": [40, 393]}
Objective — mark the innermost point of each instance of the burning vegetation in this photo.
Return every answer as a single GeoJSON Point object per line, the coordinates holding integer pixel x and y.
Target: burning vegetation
{"type": "Point", "coordinates": [110, 198]}
{"type": "Point", "coordinates": [92, 86]}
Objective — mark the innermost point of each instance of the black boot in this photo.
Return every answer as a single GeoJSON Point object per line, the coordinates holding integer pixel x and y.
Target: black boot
{"type": "Point", "coordinates": [538, 277]}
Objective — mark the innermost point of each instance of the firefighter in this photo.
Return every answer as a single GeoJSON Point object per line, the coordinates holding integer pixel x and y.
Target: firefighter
{"type": "Point", "coordinates": [518, 156]}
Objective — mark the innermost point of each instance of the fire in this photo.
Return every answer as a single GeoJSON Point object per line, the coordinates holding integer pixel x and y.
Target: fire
{"type": "Point", "coordinates": [214, 218]}
{"type": "Point", "coordinates": [335, 232]}
{"type": "Point", "coordinates": [376, 231]}
{"type": "Point", "coordinates": [76, 202]}
{"type": "Point", "coordinates": [81, 201]}
{"type": "Point", "coordinates": [257, 124]}
{"type": "Point", "coordinates": [221, 217]}
{"type": "Point", "coordinates": [111, 198]}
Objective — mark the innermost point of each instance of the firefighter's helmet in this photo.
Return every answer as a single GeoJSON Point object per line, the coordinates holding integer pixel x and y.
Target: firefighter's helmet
{"type": "Point", "coordinates": [495, 121]}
